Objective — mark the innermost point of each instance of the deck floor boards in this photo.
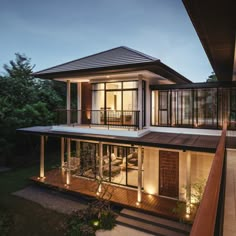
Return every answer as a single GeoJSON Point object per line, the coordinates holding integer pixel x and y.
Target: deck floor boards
{"type": "Point", "coordinates": [120, 195]}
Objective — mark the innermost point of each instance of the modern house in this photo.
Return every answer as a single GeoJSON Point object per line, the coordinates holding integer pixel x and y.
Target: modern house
{"type": "Point", "coordinates": [139, 124]}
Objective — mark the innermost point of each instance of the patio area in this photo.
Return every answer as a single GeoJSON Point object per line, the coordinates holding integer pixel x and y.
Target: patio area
{"type": "Point", "coordinates": [125, 197]}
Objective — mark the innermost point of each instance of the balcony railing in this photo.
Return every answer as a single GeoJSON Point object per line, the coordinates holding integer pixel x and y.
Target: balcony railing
{"type": "Point", "coordinates": [108, 118]}
{"type": "Point", "coordinates": [210, 215]}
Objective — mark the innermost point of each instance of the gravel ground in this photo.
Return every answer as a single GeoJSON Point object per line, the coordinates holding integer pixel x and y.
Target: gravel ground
{"type": "Point", "coordinates": [51, 199]}
{"type": "Point", "coordinates": [66, 204]}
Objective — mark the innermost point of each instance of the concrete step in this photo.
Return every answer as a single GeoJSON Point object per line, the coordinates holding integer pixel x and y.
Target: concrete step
{"type": "Point", "coordinates": [152, 224]}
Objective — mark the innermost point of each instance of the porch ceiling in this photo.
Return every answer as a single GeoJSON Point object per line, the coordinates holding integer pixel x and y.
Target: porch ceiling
{"type": "Point", "coordinates": [202, 143]}
{"type": "Point", "coordinates": [214, 22]}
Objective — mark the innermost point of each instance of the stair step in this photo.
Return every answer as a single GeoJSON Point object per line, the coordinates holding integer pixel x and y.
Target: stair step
{"type": "Point", "coordinates": [158, 221]}
{"type": "Point", "coordinates": [147, 227]}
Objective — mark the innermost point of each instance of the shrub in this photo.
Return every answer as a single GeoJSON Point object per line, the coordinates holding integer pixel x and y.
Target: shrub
{"type": "Point", "coordinates": [108, 220]}
{"type": "Point", "coordinates": [86, 221]}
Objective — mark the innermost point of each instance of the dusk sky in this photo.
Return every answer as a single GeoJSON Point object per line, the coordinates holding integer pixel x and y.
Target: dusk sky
{"type": "Point", "coordinates": [56, 31]}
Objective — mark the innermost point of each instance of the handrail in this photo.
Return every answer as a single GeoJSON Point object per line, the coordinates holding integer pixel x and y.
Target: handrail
{"type": "Point", "coordinates": [204, 223]}
{"type": "Point", "coordinates": [103, 117]}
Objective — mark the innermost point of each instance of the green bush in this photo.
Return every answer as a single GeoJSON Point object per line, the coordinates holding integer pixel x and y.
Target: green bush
{"type": "Point", "coordinates": [108, 220]}
{"type": "Point", "coordinates": [87, 221]}
{"type": "Point", "coordinates": [81, 229]}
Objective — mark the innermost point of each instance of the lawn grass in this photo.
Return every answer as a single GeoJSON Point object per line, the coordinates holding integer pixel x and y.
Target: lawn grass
{"type": "Point", "coordinates": [28, 218]}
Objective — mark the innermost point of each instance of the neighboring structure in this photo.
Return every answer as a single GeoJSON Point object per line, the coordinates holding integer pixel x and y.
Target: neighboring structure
{"type": "Point", "coordinates": [138, 123]}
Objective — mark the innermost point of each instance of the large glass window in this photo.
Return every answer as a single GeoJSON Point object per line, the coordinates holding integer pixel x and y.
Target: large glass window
{"type": "Point", "coordinates": [181, 110]}
{"type": "Point", "coordinates": [206, 108]}
{"type": "Point", "coordinates": [87, 159]}
{"type": "Point", "coordinates": [163, 108]}
{"type": "Point", "coordinates": [115, 103]}
{"type": "Point", "coordinates": [201, 107]}
{"type": "Point", "coordinates": [118, 164]}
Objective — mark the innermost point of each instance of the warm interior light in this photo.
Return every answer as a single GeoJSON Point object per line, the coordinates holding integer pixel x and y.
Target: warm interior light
{"type": "Point", "coordinates": [88, 115]}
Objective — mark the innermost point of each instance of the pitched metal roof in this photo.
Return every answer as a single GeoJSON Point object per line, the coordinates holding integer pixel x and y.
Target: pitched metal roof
{"type": "Point", "coordinates": [113, 57]}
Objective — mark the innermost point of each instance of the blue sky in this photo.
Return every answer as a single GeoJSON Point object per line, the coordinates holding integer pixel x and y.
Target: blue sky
{"type": "Point", "coordinates": [52, 32]}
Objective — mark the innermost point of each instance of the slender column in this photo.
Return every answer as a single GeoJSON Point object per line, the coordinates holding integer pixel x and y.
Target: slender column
{"type": "Point", "coordinates": [78, 154]}
{"type": "Point", "coordinates": [188, 182]}
{"type": "Point", "coordinates": [79, 111]}
{"type": "Point", "coordinates": [41, 157]}
{"type": "Point", "coordinates": [68, 102]}
{"type": "Point", "coordinates": [100, 166]}
{"type": "Point", "coordinates": [68, 174]}
{"type": "Point", "coordinates": [62, 152]}
{"type": "Point", "coordinates": [139, 199]}
{"type": "Point", "coordinates": [148, 104]}
{"type": "Point", "coordinates": [115, 150]}
{"type": "Point", "coordinates": [100, 159]}
{"type": "Point", "coordinates": [140, 100]}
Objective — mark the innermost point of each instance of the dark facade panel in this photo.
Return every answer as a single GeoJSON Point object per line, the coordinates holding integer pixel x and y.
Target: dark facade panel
{"type": "Point", "coordinates": [214, 22]}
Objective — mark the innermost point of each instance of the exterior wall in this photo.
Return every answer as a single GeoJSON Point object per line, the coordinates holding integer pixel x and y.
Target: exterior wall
{"type": "Point", "coordinates": [182, 175]}
{"type": "Point", "coordinates": [151, 170]}
{"type": "Point", "coordinates": [200, 166]}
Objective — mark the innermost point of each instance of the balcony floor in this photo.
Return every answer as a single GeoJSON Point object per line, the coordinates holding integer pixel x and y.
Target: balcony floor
{"type": "Point", "coordinates": [122, 196]}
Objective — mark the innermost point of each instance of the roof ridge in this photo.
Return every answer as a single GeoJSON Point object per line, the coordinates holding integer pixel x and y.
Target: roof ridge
{"type": "Point", "coordinates": [92, 55]}
{"type": "Point", "coordinates": [141, 53]}
{"type": "Point", "coordinates": [78, 59]}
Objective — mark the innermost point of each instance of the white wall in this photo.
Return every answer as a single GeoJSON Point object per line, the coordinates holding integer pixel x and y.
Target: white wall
{"type": "Point", "coordinates": [182, 175]}
{"type": "Point", "coordinates": [151, 170]}
{"type": "Point", "coordinates": [200, 168]}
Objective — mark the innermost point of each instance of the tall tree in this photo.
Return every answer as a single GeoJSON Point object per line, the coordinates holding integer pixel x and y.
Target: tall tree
{"type": "Point", "coordinates": [24, 101]}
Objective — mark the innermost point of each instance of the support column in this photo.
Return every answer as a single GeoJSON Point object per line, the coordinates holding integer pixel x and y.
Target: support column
{"type": "Point", "coordinates": [139, 197]}
{"type": "Point", "coordinates": [41, 175]}
{"type": "Point", "coordinates": [140, 100]}
{"type": "Point", "coordinates": [79, 111]}
{"type": "Point", "coordinates": [188, 182]}
{"type": "Point", "coordinates": [78, 153]}
{"type": "Point", "coordinates": [148, 104]}
{"type": "Point", "coordinates": [68, 102]}
{"type": "Point", "coordinates": [100, 159]}
{"type": "Point", "coordinates": [100, 166]}
{"type": "Point", "coordinates": [62, 152]}
{"type": "Point", "coordinates": [68, 173]}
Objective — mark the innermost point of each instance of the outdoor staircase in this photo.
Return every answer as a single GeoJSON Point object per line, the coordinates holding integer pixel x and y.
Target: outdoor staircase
{"type": "Point", "coordinates": [152, 224]}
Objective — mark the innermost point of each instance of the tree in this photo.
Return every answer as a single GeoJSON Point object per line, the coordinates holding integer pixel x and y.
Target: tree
{"type": "Point", "coordinates": [24, 101]}
{"type": "Point", "coordinates": [212, 78]}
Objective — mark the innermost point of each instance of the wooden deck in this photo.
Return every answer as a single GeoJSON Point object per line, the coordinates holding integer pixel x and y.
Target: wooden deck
{"type": "Point", "coordinates": [120, 195]}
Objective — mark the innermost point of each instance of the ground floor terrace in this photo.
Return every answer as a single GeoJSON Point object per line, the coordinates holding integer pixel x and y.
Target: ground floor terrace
{"type": "Point", "coordinates": [151, 172]}
{"type": "Point", "coordinates": [124, 197]}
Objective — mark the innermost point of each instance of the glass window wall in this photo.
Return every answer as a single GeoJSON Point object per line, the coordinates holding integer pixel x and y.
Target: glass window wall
{"type": "Point", "coordinates": [202, 107]}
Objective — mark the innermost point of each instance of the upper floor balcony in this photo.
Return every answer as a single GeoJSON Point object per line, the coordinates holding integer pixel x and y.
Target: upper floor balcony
{"type": "Point", "coordinates": [128, 119]}
{"type": "Point", "coordinates": [100, 122]}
